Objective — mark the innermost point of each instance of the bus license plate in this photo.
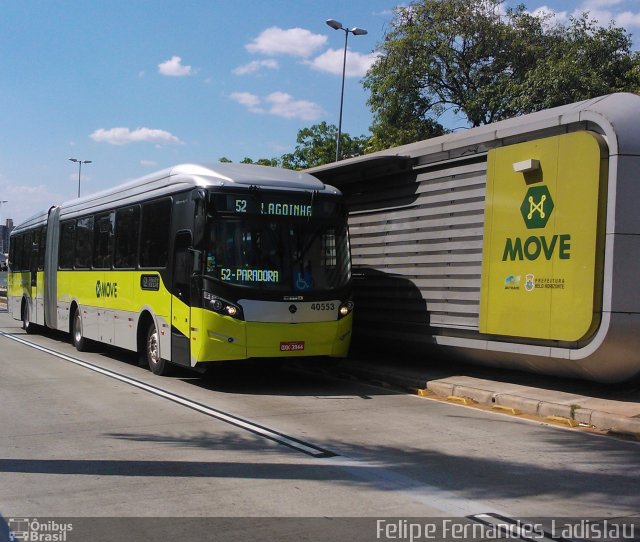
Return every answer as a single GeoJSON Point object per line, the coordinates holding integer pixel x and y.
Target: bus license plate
{"type": "Point", "coordinates": [292, 346]}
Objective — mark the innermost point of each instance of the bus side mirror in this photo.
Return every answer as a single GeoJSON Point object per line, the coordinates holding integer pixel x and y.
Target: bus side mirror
{"type": "Point", "coordinates": [200, 218]}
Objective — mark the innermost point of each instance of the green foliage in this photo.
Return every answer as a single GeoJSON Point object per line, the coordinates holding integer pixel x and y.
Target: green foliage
{"type": "Point", "coordinates": [586, 61]}
{"type": "Point", "coordinates": [317, 146]}
{"type": "Point", "coordinates": [273, 162]}
{"type": "Point", "coordinates": [470, 58]}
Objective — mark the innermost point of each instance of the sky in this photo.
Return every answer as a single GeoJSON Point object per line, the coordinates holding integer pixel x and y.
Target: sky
{"type": "Point", "coordinates": [136, 86]}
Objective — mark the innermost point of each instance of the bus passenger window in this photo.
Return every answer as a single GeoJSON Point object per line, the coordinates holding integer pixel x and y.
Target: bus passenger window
{"type": "Point", "coordinates": [126, 240]}
{"type": "Point", "coordinates": [84, 242]}
{"type": "Point", "coordinates": [103, 241]}
{"type": "Point", "coordinates": [154, 236]}
{"type": "Point", "coordinates": [42, 248]}
{"type": "Point", "coordinates": [34, 243]}
{"type": "Point", "coordinates": [27, 251]}
{"type": "Point", "coordinates": [67, 244]}
{"type": "Point", "coordinates": [16, 245]}
{"type": "Point", "coordinates": [12, 253]}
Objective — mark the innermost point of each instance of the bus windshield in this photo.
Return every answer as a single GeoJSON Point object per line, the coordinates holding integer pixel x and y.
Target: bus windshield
{"type": "Point", "coordinates": [288, 255]}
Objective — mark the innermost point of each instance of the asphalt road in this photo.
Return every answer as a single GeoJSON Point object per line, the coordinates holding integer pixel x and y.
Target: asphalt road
{"type": "Point", "coordinates": [92, 435]}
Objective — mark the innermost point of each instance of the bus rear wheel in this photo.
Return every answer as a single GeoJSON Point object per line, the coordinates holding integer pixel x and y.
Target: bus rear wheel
{"type": "Point", "coordinates": [157, 365]}
{"type": "Point", "coordinates": [27, 325]}
{"type": "Point", "coordinates": [79, 340]}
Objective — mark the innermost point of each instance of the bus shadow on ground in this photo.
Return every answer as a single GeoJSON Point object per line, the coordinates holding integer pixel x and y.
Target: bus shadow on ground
{"type": "Point", "coordinates": [313, 376]}
{"type": "Point", "coordinates": [365, 365]}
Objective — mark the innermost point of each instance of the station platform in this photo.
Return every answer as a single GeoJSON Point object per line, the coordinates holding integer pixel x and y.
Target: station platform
{"type": "Point", "coordinates": [607, 408]}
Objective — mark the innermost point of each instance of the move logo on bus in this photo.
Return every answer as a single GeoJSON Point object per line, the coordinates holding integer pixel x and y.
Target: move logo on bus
{"type": "Point", "coordinates": [536, 210]}
{"type": "Point", "coordinates": [106, 289]}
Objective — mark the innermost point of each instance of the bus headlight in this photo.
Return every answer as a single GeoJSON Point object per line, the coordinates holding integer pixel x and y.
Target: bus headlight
{"type": "Point", "coordinates": [345, 309]}
{"type": "Point", "coordinates": [222, 306]}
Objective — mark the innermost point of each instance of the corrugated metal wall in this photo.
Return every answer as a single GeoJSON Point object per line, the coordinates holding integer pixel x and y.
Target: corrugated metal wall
{"type": "Point", "coordinates": [416, 219]}
{"type": "Point", "coordinates": [416, 242]}
{"type": "Point", "coordinates": [417, 224]}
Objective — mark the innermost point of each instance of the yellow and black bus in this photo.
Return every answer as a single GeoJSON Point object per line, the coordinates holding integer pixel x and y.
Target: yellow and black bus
{"type": "Point", "coordinates": [191, 265]}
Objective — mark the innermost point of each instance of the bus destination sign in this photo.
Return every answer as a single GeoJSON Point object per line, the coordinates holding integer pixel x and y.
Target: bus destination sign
{"type": "Point", "coordinates": [249, 275]}
{"type": "Point", "coordinates": [279, 206]}
{"type": "Point", "coordinates": [276, 209]}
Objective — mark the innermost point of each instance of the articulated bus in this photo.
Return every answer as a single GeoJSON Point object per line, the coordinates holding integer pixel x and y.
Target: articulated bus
{"type": "Point", "coordinates": [191, 265]}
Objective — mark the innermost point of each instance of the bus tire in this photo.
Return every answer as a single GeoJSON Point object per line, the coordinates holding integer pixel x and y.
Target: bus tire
{"type": "Point", "coordinates": [158, 366]}
{"type": "Point", "coordinates": [79, 340]}
{"type": "Point", "coordinates": [27, 325]}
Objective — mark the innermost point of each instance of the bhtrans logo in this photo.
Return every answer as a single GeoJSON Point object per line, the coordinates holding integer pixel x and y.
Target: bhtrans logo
{"type": "Point", "coordinates": [35, 530]}
{"type": "Point", "coordinates": [536, 210]}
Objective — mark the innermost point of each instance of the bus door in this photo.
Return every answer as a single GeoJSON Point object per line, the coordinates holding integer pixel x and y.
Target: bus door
{"type": "Point", "coordinates": [29, 275]}
{"type": "Point", "coordinates": [41, 238]}
{"type": "Point", "coordinates": [181, 299]}
{"type": "Point", "coordinates": [35, 317]}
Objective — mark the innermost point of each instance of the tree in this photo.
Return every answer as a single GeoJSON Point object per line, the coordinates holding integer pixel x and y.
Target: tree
{"type": "Point", "coordinates": [586, 61]}
{"type": "Point", "coordinates": [441, 55]}
{"type": "Point", "coordinates": [317, 146]}
{"type": "Point", "coordinates": [273, 162]}
{"type": "Point", "coordinates": [471, 58]}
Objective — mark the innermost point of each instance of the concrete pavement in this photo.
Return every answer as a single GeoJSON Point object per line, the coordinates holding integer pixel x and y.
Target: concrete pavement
{"type": "Point", "coordinates": [605, 407]}
{"type": "Point", "coordinates": [609, 408]}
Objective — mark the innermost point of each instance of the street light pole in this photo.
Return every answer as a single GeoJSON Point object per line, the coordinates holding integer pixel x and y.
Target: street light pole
{"type": "Point", "coordinates": [336, 25]}
{"type": "Point", "coordinates": [2, 236]}
{"type": "Point", "coordinates": [80, 162]}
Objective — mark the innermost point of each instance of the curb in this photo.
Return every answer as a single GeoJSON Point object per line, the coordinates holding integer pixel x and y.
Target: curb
{"type": "Point", "coordinates": [604, 421]}
{"type": "Point", "coordinates": [512, 403]}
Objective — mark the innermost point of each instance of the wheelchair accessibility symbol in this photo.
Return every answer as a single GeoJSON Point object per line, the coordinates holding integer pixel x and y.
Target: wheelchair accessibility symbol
{"type": "Point", "coordinates": [303, 281]}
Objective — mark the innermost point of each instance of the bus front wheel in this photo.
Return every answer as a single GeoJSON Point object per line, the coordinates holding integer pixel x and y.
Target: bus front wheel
{"type": "Point", "coordinates": [157, 365]}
